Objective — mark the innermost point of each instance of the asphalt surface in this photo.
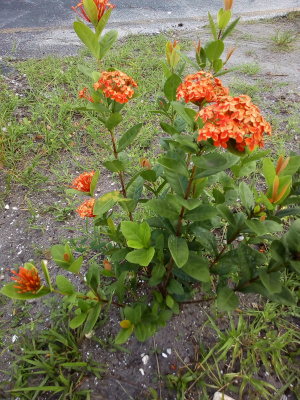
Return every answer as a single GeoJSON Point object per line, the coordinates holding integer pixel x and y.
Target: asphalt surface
{"type": "Point", "coordinates": [35, 28]}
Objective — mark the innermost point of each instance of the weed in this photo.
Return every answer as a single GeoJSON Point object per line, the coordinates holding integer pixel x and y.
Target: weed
{"type": "Point", "coordinates": [284, 40]}
{"type": "Point", "coordinates": [249, 68]}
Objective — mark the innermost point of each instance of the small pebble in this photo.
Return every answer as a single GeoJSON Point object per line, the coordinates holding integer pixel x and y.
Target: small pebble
{"type": "Point", "coordinates": [145, 359]}
{"type": "Point", "coordinates": [14, 338]}
{"type": "Point", "coordinates": [240, 238]}
{"type": "Point", "coordinates": [169, 351]}
{"type": "Point", "coordinates": [142, 371]}
{"type": "Point", "coordinates": [164, 355]}
{"type": "Point", "coordinates": [6, 207]}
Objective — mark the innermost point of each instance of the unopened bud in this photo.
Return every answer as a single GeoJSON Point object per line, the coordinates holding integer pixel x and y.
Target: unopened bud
{"type": "Point", "coordinates": [228, 4]}
{"type": "Point", "coordinates": [229, 53]}
{"type": "Point", "coordinates": [197, 47]}
{"type": "Point", "coordinates": [145, 163]}
{"type": "Point", "coordinates": [67, 257]}
{"type": "Point", "coordinates": [107, 265]}
{"type": "Point", "coordinates": [125, 324]}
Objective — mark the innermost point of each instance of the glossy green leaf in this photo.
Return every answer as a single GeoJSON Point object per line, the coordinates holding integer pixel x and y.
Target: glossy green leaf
{"type": "Point", "coordinates": [137, 235]}
{"type": "Point", "coordinates": [76, 265]}
{"type": "Point", "coordinates": [270, 280]}
{"type": "Point", "coordinates": [214, 50]}
{"type": "Point", "coordinates": [91, 10]}
{"type": "Point", "coordinates": [114, 165]}
{"type": "Point", "coordinates": [114, 120]}
{"type": "Point", "coordinates": [64, 285]}
{"type": "Point", "coordinates": [105, 202]}
{"type": "Point", "coordinates": [173, 165]}
{"type": "Point", "coordinates": [106, 41]}
{"type": "Point", "coordinates": [269, 171]}
{"type": "Point", "coordinates": [87, 36]}
{"type": "Point", "coordinates": [163, 208]}
{"type": "Point", "coordinates": [142, 257]}
{"type": "Point", "coordinates": [57, 254]}
{"type": "Point", "coordinates": [170, 87]}
{"type": "Point", "coordinates": [230, 28]}
{"type": "Point", "coordinates": [246, 196]}
{"type": "Point", "coordinates": [212, 163]}
{"type": "Point", "coordinates": [197, 267]}
{"type": "Point", "coordinates": [168, 128]}
{"type": "Point", "coordinates": [212, 26]}
{"type": "Point", "coordinates": [227, 300]}
{"type": "Point", "coordinates": [207, 240]}
{"type": "Point", "coordinates": [124, 335]}
{"type": "Point", "coordinates": [10, 291]}
{"type": "Point", "coordinates": [129, 136]}
{"type": "Point", "coordinates": [201, 213]}
{"type": "Point", "coordinates": [224, 19]}
{"type": "Point", "coordinates": [175, 287]}
{"type": "Point", "coordinates": [103, 21]}
{"type": "Point", "coordinates": [179, 250]}
{"type": "Point", "coordinates": [92, 318]}
{"type": "Point", "coordinates": [78, 320]}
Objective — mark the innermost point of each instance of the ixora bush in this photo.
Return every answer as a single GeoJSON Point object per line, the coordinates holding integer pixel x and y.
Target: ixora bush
{"type": "Point", "coordinates": [208, 228]}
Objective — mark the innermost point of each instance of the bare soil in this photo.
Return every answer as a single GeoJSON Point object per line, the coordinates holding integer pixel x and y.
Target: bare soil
{"type": "Point", "coordinates": [22, 239]}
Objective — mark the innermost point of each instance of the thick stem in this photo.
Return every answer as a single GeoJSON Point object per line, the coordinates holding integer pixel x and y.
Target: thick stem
{"type": "Point", "coordinates": [120, 172]}
{"type": "Point", "coordinates": [179, 224]}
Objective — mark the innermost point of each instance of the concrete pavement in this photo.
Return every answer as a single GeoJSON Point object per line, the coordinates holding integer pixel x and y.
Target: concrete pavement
{"type": "Point", "coordinates": [36, 28]}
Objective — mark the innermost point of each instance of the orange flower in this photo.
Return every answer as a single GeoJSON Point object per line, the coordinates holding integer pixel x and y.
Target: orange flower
{"type": "Point", "coordinates": [85, 94]}
{"type": "Point", "coordinates": [102, 6]}
{"type": "Point", "coordinates": [83, 182]}
{"type": "Point", "coordinates": [116, 85]}
{"type": "Point", "coordinates": [86, 208]}
{"type": "Point", "coordinates": [201, 86]}
{"type": "Point", "coordinates": [234, 118]}
{"type": "Point", "coordinates": [28, 280]}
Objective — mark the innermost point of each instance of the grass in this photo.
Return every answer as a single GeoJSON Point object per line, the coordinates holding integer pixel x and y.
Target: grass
{"type": "Point", "coordinates": [249, 68]}
{"type": "Point", "coordinates": [284, 40]}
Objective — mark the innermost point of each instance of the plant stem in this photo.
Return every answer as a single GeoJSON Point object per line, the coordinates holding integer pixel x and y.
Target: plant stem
{"type": "Point", "coordinates": [120, 172]}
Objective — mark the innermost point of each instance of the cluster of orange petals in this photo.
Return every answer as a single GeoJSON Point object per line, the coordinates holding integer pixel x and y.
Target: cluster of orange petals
{"type": "Point", "coordinates": [116, 85]}
{"type": "Point", "coordinates": [234, 118]}
{"type": "Point", "coordinates": [84, 94]}
{"type": "Point", "coordinates": [201, 86]}
{"type": "Point", "coordinates": [83, 182]}
{"type": "Point", "coordinates": [86, 209]}
{"type": "Point", "coordinates": [102, 6]}
{"type": "Point", "coordinates": [28, 280]}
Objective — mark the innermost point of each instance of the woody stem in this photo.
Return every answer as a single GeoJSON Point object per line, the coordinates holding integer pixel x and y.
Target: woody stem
{"type": "Point", "coordinates": [120, 172]}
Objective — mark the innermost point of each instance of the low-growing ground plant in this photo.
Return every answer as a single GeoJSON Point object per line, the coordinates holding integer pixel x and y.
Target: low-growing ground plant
{"type": "Point", "coordinates": [190, 223]}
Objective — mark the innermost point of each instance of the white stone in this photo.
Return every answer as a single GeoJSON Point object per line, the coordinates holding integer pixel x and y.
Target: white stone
{"type": "Point", "coordinates": [14, 338]}
{"type": "Point", "coordinates": [142, 371]}
{"type": "Point", "coordinates": [6, 207]}
{"type": "Point", "coordinates": [164, 355]}
{"type": "Point", "coordinates": [169, 351]}
{"type": "Point", "coordinates": [221, 396]}
{"type": "Point", "coordinates": [145, 359]}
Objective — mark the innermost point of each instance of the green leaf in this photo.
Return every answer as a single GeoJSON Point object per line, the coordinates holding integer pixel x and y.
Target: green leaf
{"type": "Point", "coordinates": [285, 212]}
{"type": "Point", "coordinates": [103, 21]}
{"type": "Point", "coordinates": [91, 10]}
{"type": "Point", "coordinates": [174, 287]}
{"type": "Point", "coordinates": [106, 41]}
{"type": "Point", "coordinates": [140, 332]}
{"type": "Point", "coordinates": [243, 170]}
{"type": "Point", "coordinates": [177, 182]}
{"type": "Point", "coordinates": [212, 26]}
{"type": "Point", "coordinates": [100, 142]}
{"type": "Point", "coordinates": [85, 70]}
{"type": "Point", "coordinates": [173, 165]}
{"type": "Point", "coordinates": [142, 257]}
{"type": "Point", "coordinates": [114, 165]}
{"type": "Point", "coordinates": [134, 315]}
{"type": "Point", "coordinates": [179, 250]}
{"type": "Point", "coordinates": [212, 163]}
{"type": "Point", "coordinates": [87, 36]}
{"type": "Point", "coordinates": [218, 65]}
{"type": "Point", "coordinates": [269, 171]}
{"type": "Point", "coordinates": [163, 208]}
{"type": "Point", "coordinates": [230, 28]}
{"type": "Point", "coordinates": [257, 226]}
{"type": "Point", "coordinates": [105, 202]}
{"type": "Point", "coordinates": [224, 19]}
{"type": "Point", "coordinates": [158, 271]}
{"type": "Point", "coordinates": [284, 297]}
{"type": "Point", "coordinates": [114, 120]}
{"type": "Point", "coordinates": [78, 320]}
{"type": "Point", "coordinates": [135, 190]}
{"type": "Point", "coordinates": [57, 254]}
{"type": "Point", "coordinates": [181, 110]}
{"type": "Point", "coordinates": [170, 87]}
{"type": "Point", "coordinates": [76, 265]}
{"type": "Point", "coordinates": [92, 318]}
{"type": "Point", "coordinates": [207, 240]}
{"type": "Point", "coordinates": [270, 280]}
{"type": "Point", "coordinates": [201, 213]}
{"type": "Point", "coordinates": [94, 107]}
{"type": "Point", "coordinates": [246, 196]}
{"type": "Point", "coordinates": [137, 235]}
{"type": "Point", "coordinates": [197, 268]}
{"type": "Point", "coordinates": [10, 291]}
{"type": "Point", "coordinates": [123, 335]}
{"type": "Point", "coordinates": [64, 285]}
{"type": "Point", "coordinates": [168, 128]}
{"type": "Point", "coordinates": [129, 136]}
{"type": "Point", "coordinates": [46, 273]}
{"type": "Point", "coordinates": [169, 301]}
{"type": "Point", "coordinates": [227, 300]}
{"type": "Point", "coordinates": [249, 260]}
{"type": "Point", "coordinates": [214, 50]}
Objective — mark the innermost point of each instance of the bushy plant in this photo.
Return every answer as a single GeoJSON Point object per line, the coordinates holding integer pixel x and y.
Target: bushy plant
{"type": "Point", "coordinates": [207, 221]}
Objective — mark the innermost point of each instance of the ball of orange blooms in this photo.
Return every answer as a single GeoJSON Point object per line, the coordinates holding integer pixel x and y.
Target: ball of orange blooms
{"type": "Point", "coordinates": [234, 118]}
{"type": "Point", "coordinates": [201, 86]}
{"type": "Point", "coordinates": [116, 85]}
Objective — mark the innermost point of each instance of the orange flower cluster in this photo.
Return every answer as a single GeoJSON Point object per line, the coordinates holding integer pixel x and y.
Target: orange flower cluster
{"type": "Point", "coordinates": [28, 280]}
{"type": "Point", "coordinates": [83, 182]}
{"type": "Point", "coordinates": [234, 118]}
{"type": "Point", "coordinates": [116, 85]}
{"type": "Point", "coordinates": [102, 6]}
{"type": "Point", "coordinates": [201, 86]}
{"type": "Point", "coordinates": [86, 209]}
{"type": "Point", "coordinates": [85, 94]}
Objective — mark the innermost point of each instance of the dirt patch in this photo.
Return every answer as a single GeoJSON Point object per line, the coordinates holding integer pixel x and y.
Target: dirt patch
{"type": "Point", "coordinates": [28, 230]}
